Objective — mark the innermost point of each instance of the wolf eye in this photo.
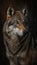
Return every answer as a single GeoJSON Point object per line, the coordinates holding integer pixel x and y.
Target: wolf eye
{"type": "Point", "coordinates": [10, 23]}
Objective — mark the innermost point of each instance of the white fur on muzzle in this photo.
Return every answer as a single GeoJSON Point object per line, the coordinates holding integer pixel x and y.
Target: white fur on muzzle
{"type": "Point", "coordinates": [16, 30]}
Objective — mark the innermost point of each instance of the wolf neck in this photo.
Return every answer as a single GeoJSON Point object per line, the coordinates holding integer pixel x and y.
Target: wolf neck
{"type": "Point", "coordinates": [16, 48]}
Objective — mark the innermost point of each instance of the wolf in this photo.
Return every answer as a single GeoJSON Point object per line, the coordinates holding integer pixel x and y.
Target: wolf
{"type": "Point", "coordinates": [18, 41]}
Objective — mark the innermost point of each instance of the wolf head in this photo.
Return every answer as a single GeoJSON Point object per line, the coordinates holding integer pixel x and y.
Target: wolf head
{"type": "Point", "coordinates": [16, 22]}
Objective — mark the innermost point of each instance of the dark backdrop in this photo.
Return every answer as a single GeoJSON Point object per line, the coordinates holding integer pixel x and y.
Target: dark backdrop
{"type": "Point", "coordinates": [16, 4]}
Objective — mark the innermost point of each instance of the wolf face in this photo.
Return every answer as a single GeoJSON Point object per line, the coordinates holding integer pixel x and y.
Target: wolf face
{"type": "Point", "coordinates": [15, 24]}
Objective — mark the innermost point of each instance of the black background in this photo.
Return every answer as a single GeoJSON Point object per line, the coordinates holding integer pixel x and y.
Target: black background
{"type": "Point", "coordinates": [16, 4]}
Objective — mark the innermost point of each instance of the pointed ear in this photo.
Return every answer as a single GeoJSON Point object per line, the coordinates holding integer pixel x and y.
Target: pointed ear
{"type": "Point", "coordinates": [10, 12]}
{"type": "Point", "coordinates": [24, 11]}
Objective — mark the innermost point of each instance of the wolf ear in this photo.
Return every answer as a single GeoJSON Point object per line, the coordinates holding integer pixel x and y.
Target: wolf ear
{"type": "Point", "coordinates": [24, 11]}
{"type": "Point", "coordinates": [10, 12]}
